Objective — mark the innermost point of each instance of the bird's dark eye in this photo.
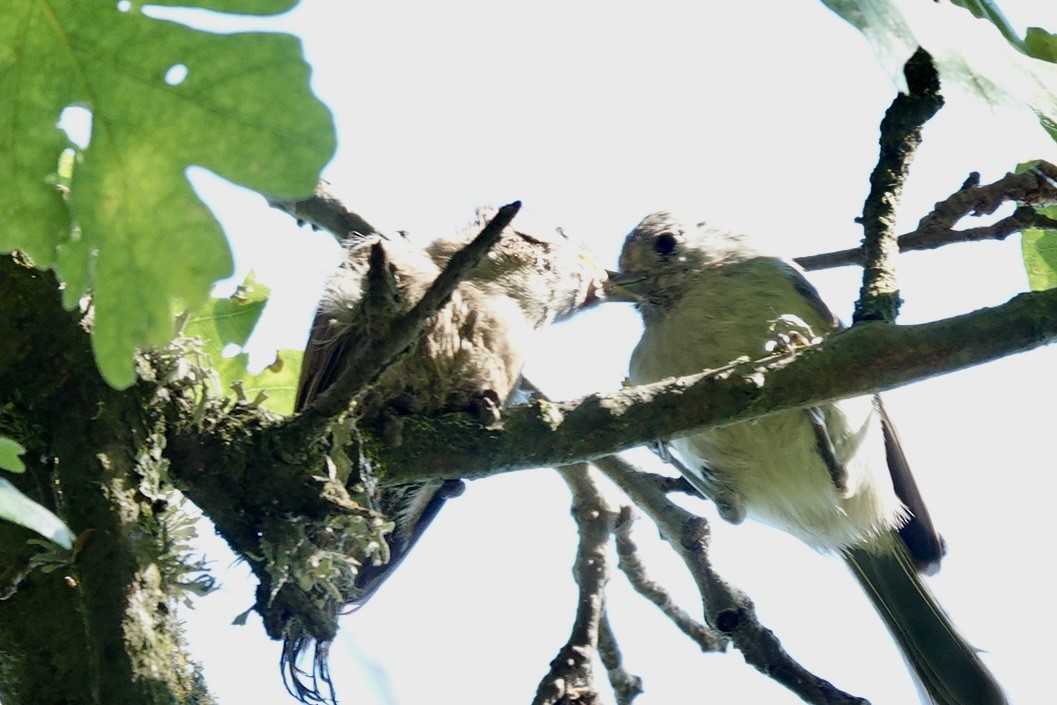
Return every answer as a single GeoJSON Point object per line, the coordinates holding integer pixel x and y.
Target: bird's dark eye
{"type": "Point", "coordinates": [664, 244]}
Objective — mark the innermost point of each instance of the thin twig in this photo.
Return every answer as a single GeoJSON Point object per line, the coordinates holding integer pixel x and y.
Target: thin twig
{"type": "Point", "coordinates": [570, 678]}
{"type": "Point", "coordinates": [630, 564]}
{"type": "Point", "coordinates": [626, 686]}
{"type": "Point", "coordinates": [404, 331]}
{"type": "Point", "coordinates": [725, 607]}
{"type": "Point", "coordinates": [322, 210]}
{"type": "Point", "coordinates": [1037, 186]}
{"type": "Point", "coordinates": [900, 137]}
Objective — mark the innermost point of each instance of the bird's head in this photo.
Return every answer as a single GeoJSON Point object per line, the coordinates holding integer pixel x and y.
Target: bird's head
{"type": "Point", "coordinates": [550, 275]}
{"type": "Point", "coordinates": [664, 253]}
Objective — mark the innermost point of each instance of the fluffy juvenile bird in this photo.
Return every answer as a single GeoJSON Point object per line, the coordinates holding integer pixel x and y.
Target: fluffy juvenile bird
{"type": "Point", "coordinates": [832, 475]}
{"type": "Point", "coordinates": [469, 359]}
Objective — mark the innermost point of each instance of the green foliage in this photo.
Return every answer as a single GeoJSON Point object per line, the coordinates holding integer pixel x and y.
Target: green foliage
{"type": "Point", "coordinates": [231, 321]}
{"type": "Point", "coordinates": [242, 7]}
{"type": "Point", "coordinates": [10, 449]}
{"type": "Point", "coordinates": [20, 509]}
{"type": "Point", "coordinates": [968, 52]}
{"type": "Point", "coordinates": [275, 387]}
{"type": "Point", "coordinates": [130, 228]}
{"type": "Point", "coordinates": [1039, 248]}
{"type": "Point", "coordinates": [1041, 44]}
{"type": "Point", "coordinates": [50, 557]}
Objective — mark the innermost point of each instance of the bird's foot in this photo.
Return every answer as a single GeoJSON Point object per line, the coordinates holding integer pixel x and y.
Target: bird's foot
{"type": "Point", "coordinates": [790, 333]}
{"type": "Point", "coordinates": [484, 406]}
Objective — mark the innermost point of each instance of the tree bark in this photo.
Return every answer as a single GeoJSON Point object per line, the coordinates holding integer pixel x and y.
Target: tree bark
{"type": "Point", "coordinates": [101, 629]}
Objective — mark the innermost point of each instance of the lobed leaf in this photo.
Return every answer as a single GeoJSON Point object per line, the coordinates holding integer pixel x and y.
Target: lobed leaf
{"type": "Point", "coordinates": [162, 97]}
{"type": "Point", "coordinates": [275, 385]}
{"type": "Point", "coordinates": [223, 322]}
{"type": "Point", "coordinates": [229, 321]}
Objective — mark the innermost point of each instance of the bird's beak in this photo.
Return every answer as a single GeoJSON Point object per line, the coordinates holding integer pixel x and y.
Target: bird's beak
{"type": "Point", "coordinates": [624, 286]}
{"type": "Point", "coordinates": [597, 285]}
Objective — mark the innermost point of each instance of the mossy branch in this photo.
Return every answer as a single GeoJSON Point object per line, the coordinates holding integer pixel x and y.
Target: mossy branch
{"type": "Point", "coordinates": [862, 360]}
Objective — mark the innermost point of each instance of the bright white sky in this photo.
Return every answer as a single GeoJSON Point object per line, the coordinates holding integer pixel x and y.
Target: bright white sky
{"type": "Point", "coordinates": [761, 116]}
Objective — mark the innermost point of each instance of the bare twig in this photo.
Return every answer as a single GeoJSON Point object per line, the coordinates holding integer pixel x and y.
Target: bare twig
{"type": "Point", "coordinates": [1022, 218]}
{"type": "Point", "coordinates": [707, 639]}
{"type": "Point", "coordinates": [626, 686]}
{"type": "Point", "coordinates": [570, 678]}
{"type": "Point", "coordinates": [900, 137]}
{"type": "Point", "coordinates": [403, 332]}
{"type": "Point", "coordinates": [1034, 187]}
{"type": "Point", "coordinates": [323, 210]}
{"type": "Point", "coordinates": [725, 607]}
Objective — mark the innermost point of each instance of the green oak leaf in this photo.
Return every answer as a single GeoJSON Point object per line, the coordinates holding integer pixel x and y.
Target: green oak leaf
{"type": "Point", "coordinates": [241, 7]}
{"type": "Point", "coordinates": [223, 322]}
{"type": "Point", "coordinates": [229, 321]}
{"type": "Point", "coordinates": [130, 228]}
{"type": "Point", "coordinates": [10, 449]}
{"type": "Point", "coordinates": [1041, 44]}
{"type": "Point", "coordinates": [1039, 248]}
{"type": "Point", "coordinates": [275, 386]}
{"type": "Point", "coordinates": [968, 52]}
{"type": "Point", "coordinates": [20, 509]}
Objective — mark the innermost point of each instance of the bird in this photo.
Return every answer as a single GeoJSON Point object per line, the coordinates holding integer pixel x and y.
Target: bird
{"type": "Point", "coordinates": [832, 475]}
{"type": "Point", "coordinates": [469, 359]}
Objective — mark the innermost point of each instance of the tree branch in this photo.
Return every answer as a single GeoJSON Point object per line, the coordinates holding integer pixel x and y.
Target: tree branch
{"type": "Point", "coordinates": [91, 631]}
{"type": "Point", "coordinates": [861, 360]}
{"type": "Point", "coordinates": [323, 210]}
{"type": "Point", "coordinates": [900, 136]}
{"type": "Point", "coordinates": [626, 686]}
{"type": "Point", "coordinates": [725, 607]}
{"type": "Point", "coordinates": [570, 678]}
{"type": "Point", "coordinates": [632, 567]}
{"type": "Point", "coordinates": [1034, 187]}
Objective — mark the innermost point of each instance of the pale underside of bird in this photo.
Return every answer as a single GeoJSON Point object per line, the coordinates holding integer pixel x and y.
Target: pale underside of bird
{"type": "Point", "coordinates": [833, 475]}
{"type": "Point", "coordinates": [470, 358]}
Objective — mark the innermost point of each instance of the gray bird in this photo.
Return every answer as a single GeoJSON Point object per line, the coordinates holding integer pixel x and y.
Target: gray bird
{"type": "Point", "coordinates": [833, 475]}
{"type": "Point", "coordinates": [470, 358]}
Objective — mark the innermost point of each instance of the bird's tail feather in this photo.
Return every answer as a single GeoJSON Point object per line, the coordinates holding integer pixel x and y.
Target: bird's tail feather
{"type": "Point", "coordinates": [412, 508]}
{"type": "Point", "coordinates": [948, 668]}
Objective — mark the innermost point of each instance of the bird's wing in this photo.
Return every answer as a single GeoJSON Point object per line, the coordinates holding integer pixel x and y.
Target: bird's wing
{"type": "Point", "coordinates": [923, 541]}
{"type": "Point", "coordinates": [919, 533]}
{"type": "Point", "coordinates": [810, 294]}
{"type": "Point", "coordinates": [322, 362]}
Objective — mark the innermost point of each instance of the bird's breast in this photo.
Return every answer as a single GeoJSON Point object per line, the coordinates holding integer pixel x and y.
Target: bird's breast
{"type": "Point", "coordinates": [771, 468]}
